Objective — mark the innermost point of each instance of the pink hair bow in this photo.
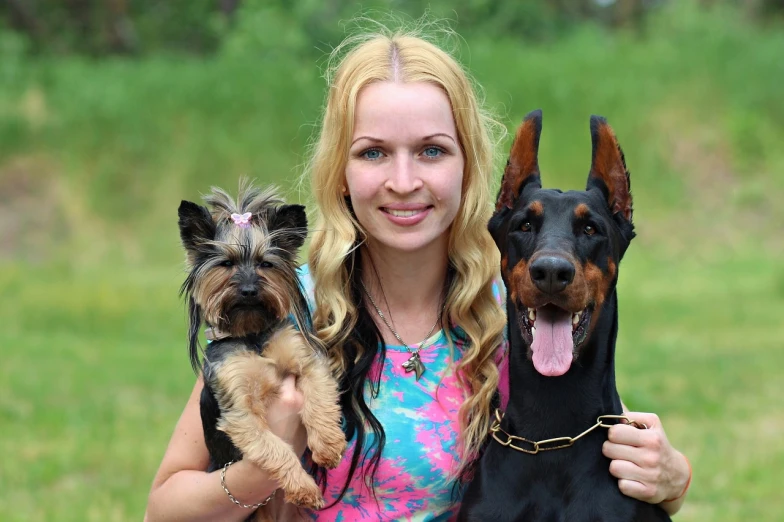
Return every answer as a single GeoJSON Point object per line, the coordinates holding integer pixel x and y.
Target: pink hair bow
{"type": "Point", "coordinates": [242, 220]}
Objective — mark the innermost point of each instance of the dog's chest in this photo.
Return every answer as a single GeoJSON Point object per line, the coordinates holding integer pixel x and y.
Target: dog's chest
{"type": "Point", "coordinates": [571, 485]}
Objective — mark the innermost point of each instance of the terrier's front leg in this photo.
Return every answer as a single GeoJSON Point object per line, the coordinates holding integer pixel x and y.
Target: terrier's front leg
{"type": "Point", "coordinates": [246, 383]}
{"type": "Point", "coordinates": [321, 415]}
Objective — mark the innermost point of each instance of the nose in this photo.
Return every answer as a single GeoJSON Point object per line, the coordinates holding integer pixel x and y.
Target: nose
{"type": "Point", "coordinates": [403, 176]}
{"type": "Point", "coordinates": [249, 290]}
{"type": "Point", "coordinates": [551, 274]}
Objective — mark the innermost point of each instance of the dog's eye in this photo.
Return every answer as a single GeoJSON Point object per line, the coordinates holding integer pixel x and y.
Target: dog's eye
{"type": "Point", "coordinates": [526, 227]}
{"type": "Point", "coordinates": [228, 263]}
{"type": "Point", "coordinates": [265, 264]}
{"type": "Point", "coordinates": [589, 230]}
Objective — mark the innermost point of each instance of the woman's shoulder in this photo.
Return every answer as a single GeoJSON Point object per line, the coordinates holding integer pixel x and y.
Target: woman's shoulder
{"type": "Point", "coordinates": [499, 290]}
{"type": "Point", "coordinates": [306, 282]}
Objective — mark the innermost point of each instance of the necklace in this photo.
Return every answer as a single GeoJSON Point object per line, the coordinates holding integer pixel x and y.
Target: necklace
{"type": "Point", "coordinates": [414, 363]}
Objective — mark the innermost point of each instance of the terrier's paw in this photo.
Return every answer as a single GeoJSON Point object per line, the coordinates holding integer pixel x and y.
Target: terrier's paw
{"type": "Point", "coordinates": [306, 494]}
{"type": "Point", "coordinates": [330, 455]}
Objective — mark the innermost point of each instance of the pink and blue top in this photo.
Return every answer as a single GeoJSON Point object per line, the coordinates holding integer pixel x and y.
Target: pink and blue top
{"type": "Point", "coordinates": [415, 480]}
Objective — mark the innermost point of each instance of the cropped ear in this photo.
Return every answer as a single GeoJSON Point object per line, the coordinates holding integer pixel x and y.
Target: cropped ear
{"type": "Point", "coordinates": [196, 227]}
{"type": "Point", "coordinates": [608, 169]}
{"type": "Point", "coordinates": [522, 167]}
{"type": "Point", "coordinates": [290, 226]}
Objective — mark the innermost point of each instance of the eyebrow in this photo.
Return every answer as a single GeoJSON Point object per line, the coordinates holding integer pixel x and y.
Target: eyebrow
{"type": "Point", "coordinates": [424, 138]}
{"type": "Point", "coordinates": [375, 140]}
{"type": "Point", "coordinates": [437, 134]}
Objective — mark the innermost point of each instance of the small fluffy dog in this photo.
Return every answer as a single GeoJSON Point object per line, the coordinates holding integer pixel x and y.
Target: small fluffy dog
{"type": "Point", "coordinates": [243, 284]}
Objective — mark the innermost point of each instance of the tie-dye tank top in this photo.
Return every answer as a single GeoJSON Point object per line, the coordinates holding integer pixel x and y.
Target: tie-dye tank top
{"type": "Point", "coordinates": [415, 476]}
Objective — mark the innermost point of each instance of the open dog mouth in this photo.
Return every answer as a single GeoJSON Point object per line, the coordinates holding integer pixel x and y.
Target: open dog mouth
{"type": "Point", "coordinates": [554, 334]}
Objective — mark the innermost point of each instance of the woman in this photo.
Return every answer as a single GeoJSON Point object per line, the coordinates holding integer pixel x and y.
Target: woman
{"type": "Point", "coordinates": [402, 275]}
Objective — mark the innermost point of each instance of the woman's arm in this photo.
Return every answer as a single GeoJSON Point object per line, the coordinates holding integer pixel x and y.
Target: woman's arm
{"type": "Point", "coordinates": [182, 490]}
{"type": "Point", "coordinates": [648, 468]}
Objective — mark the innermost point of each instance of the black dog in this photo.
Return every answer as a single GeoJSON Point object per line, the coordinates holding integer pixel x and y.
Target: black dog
{"type": "Point", "coordinates": [560, 254]}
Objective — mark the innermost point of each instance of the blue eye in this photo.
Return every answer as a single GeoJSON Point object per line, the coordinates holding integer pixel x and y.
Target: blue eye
{"type": "Point", "coordinates": [433, 152]}
{"type": "Point", "coordinates": [371, 154]}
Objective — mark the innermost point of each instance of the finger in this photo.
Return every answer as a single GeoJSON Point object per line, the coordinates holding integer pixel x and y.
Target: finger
{"type": "Point", "coordinates": [625, 434]}
{"type": "Point", "coordinates": [289, 393]}
{"type": "Point", "coordinates": [623, 469]}
{"type": "Point", "coordinates": [634, 489]}
{"type": "Point", "coordinates": [614, 451]}
{"type": "Point", "coordinates": [651, 420]}
{"type": "Point", "coordinates": [288, 382]}
{"type": "Point", "coordinates": [645, 458]}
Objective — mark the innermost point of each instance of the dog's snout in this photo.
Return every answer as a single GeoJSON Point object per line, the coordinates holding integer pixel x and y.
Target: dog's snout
{"type": "Point", "coordinates": [249, 290]}
{"type": "Point", "coordinates": [551, 274]}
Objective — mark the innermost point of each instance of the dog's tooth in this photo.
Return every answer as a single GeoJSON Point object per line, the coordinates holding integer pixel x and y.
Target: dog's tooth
{"type": "Point", "coordinates": [575, 319]}
{"type": "Point", "coordinates": [532, 314]}
{"type": "Point", "coordinates": [533, 331]}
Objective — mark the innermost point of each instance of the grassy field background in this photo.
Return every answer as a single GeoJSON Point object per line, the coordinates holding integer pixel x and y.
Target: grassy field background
{"type": "Point", "coordinates": [95, 156]}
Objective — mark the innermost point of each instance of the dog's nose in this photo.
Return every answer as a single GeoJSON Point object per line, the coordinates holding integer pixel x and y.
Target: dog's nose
{"type": "Point", "coordinates": [551, 274]}
{"type": "Point", "coordinates": [249, 291]}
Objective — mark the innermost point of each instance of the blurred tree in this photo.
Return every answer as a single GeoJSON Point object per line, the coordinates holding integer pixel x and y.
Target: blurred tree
{"type": "Point", "coordinates": [98, 27]}
{"type": "Point", "coordinates": [21, 16]}
{"type": "Point", "coordinates": [758, 10]}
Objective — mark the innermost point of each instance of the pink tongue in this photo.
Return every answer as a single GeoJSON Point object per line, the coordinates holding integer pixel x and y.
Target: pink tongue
{"type": "Point", "coordinates": [553, 343]}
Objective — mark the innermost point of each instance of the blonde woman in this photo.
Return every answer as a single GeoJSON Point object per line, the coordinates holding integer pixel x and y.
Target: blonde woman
{"type": "Point", "coordinates": [402, 278]}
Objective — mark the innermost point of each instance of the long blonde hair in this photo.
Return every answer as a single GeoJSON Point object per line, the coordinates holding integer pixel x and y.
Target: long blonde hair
{"type": "Point", "coordinates": [406, 56]}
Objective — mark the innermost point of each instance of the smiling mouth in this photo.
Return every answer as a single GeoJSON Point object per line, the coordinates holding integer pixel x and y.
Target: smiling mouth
{"type": "Point", "coordinates": [405, 213]}
{"type": "Point", "coordinates": [554, 335]}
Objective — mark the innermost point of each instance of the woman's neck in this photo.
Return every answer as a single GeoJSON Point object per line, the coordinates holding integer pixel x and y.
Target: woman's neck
{"type": "Point", "coordinates": [408, 287]}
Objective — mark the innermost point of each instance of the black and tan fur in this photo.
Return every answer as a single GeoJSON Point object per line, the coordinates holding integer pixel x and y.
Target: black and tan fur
{"type": "Point", "coordinates": [560, 253]}
{"type": "Point", "coordinates": [242, 283]}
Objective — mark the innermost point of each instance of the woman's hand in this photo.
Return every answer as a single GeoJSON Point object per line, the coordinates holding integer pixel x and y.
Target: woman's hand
{"type": "Point", "coordinates": [183, 490]}
{"type": "Point", "coordinates": [283, 416]}
{"type": "Point", "coordinates": [648, 468]}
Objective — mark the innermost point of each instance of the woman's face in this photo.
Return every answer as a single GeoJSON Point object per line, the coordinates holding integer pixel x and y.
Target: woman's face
{"type": "Point", "coordinates": [405, 168]}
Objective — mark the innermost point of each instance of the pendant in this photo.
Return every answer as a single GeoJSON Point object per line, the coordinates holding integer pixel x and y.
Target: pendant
{"type": "Point", "coordinates": [414, 364]}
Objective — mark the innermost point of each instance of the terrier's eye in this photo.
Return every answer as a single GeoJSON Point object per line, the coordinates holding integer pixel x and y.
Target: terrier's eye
{"type": "Point", "coordinates": [228, 263]}
{"type": "Point", "coordinates": [526, 227]}
{"type": "Point", "coordinates": [589, 230]}
{"type": "Point", "coordinates": [265, 264]}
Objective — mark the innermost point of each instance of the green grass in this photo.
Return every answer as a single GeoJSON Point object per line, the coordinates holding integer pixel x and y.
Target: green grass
{"type": "Point", "coordinates": [96, 155]}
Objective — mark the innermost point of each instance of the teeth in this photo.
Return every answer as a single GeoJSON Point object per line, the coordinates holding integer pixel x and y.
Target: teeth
{"type": "Point", "coordinates": [576, 318]}
{"type": "Point", "coordinates": [403, 213]}
{"type": "Point", "coordinates": [533, 331]}
{"type": "Point", "coordinates": [532, 314]}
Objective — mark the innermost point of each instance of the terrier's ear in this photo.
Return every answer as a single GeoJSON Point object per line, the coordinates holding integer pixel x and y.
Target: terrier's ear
{"type": "Point", "coordinates": [289, 223]}
{"type": "Point", "coordinates": [194, 327]}
{"type": "Point", "coordinates": [608, 169]}
{"type": "Point", "coordinates": [522, 167]}
{"type": "Point", "coordinates": [196, 228]}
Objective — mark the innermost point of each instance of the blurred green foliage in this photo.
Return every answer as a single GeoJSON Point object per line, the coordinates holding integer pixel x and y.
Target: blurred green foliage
{"type": "Point", "coordinates": [98, 27]}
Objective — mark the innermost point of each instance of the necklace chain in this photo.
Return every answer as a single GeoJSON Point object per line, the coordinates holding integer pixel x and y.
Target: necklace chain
{"type": "Point", "coordinates": [394, 332]}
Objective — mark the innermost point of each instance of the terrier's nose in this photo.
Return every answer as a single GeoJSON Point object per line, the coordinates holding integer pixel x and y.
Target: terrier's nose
{"type": "Point", "coordinates": [551, 274]}
{"type": "Point", "coordinates": [249, 291]}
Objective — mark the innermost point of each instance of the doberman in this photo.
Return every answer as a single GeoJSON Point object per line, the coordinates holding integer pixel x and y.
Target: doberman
{"type": "Point", "coordinates": [559, 260]}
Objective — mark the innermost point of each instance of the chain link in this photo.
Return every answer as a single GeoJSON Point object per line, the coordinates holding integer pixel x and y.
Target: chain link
{"type": "Point", "coordinates": [535, 447]}
{"type": "Point", "coordinates": [231, 497]}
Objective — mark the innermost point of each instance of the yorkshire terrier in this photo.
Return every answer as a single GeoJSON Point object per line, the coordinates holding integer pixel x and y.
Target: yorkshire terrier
{"type": "Point", "coordinates": [243, 284]}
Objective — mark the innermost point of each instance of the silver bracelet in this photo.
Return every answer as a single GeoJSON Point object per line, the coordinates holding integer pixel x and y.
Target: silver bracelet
{"type": "Point", "coordinates": [240, 504]}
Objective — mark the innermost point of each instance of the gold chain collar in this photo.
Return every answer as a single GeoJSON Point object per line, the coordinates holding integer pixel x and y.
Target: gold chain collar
{"type": "Point", "coordinates": [557, 442]}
